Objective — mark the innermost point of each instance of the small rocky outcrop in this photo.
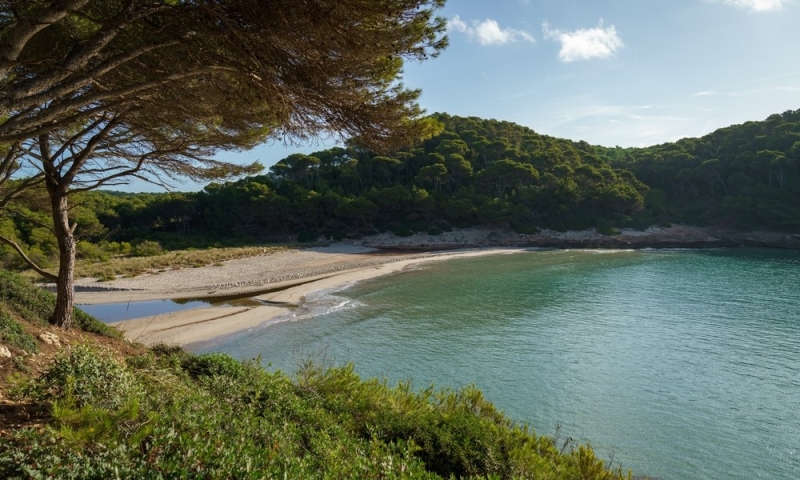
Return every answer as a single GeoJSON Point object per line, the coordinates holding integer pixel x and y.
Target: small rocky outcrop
{"type": "Point", "coordinates": [50, 339]}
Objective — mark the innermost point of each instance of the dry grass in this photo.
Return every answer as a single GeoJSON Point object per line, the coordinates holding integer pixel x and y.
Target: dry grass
{"type": "Point", "coordinates": [133, 266]}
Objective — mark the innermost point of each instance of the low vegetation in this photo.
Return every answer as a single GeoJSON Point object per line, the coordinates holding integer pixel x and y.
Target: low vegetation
{"type": "Point", "coordinates": [103, 411]}
{"type": "Point", "coordinates": [21, 300]}
{"type": "Point", "coordinates": [135, 265]}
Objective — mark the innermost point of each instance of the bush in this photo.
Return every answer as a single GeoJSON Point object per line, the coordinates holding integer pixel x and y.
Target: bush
{"type": "Point", "coordinates": [170, 414]}
{"type": "Point", "coordinates": [336, 234]}
{"type": "Point", "coordinates": [524, 229]}
{"type": "Point", "coordinates": [87, 377]}
{"type": "Point", "coordinates": [147, 248]}
{"type": "Point", "coordinates": [12, 334]}
{"type": "Point", "coordinates": [212, 364]}
{"type": "Point", "coordinates": [36, 305]}
{"type": "Point", "coordinates": [90, 251]}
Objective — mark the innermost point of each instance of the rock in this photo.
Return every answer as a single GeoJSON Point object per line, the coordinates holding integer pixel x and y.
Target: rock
{"type": "Point", "coordinates": [50, 339]}
{"type": "Point", "coordinates": [5, 352]}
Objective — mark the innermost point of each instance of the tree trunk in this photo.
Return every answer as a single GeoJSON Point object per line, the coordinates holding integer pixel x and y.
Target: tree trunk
{"type": "Point", "coordinates": [65, 286]}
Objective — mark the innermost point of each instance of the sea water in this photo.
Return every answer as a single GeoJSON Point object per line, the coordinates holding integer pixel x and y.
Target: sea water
{"type": "Point", "coordinates": [675, 364]}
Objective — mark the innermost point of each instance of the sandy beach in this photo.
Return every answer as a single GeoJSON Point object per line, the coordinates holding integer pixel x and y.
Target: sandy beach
{"type": "Point", "coordinates": [285, 277]}
{"type": "Point", "coordinates": [279, 280]}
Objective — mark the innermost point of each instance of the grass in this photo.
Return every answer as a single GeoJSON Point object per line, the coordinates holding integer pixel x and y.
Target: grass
{"type": "Point", "coordinates": [132, 266]}
{"type": "Point", "coordinates": [13, 334]}
{"type": "Point", "coordinates": [35, 305]}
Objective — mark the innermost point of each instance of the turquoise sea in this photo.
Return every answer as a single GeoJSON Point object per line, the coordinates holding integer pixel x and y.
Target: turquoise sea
{"type": "Point", "coordinates": [679, 364]}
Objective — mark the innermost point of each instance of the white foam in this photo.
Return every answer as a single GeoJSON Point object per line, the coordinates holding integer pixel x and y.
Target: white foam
{"type": "Point", "coordinates": [319, 302]}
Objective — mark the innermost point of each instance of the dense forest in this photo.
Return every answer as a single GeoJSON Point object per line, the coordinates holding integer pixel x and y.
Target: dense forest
{"type": "Point", "coordinates": [474, 172]}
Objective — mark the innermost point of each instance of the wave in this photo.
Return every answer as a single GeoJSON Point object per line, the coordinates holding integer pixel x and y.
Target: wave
{"type": "Point", "coordinates": [319, 302]}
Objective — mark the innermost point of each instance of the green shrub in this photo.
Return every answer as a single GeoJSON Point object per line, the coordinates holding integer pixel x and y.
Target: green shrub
{"type": "Point", "coordinates": [212, 364]}
{"type": "Point", "coordinates": [170, 414]}
{"type": "Point", "coordinates": [90, 251]}
{"type": "Point", "coordinates": [12, 334]}
{"type": "Point", "coordinates": [19, 296]}
{"type": "Point", "coordinates": [147, 248]}
{"type": "Point", "coordinates": [605, 227]}
{"type": "Point", "coordinates": [37, 305]}
{"type": "Point", "coordinates": [336, 234]}
{"type": "Point", "coordinates": [87, 377]}
{"type": "Point", "coordinates": [524, 228]}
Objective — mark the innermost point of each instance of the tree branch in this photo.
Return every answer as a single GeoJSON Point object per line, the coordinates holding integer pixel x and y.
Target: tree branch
{"type": "Point", "coordinates": [48, 276]}
{"type": "Point", "coordinates": [17, 128]}
{"type": "Point", "coordinates": [21, 33]}
{"type": "Point", "coordinates": [39, 94]}
{"type": "Point", "coordinates": [50, 86]}
{"type": "Point", "coordinates": [30, 182]}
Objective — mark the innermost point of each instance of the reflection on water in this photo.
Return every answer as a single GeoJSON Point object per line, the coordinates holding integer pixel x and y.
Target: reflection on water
{"type": "Point", "coordinates": [117, 312]}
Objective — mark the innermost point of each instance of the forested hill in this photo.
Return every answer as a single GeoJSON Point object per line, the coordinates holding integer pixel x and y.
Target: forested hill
{"type": "Point", "coordinates": [488, 172]}
{"type": "Point", "coordinates": [474, 172]}
{"type": "Point", "coordinates": [746, 176]}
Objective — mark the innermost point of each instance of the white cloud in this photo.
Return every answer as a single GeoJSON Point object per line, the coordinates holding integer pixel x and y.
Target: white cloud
{"type": "Point", "coordinates": [488, 32]}
{"type": "Point", "coordinates": [758, 5]}
{"type": "Point", "coordinates": [586, 43]}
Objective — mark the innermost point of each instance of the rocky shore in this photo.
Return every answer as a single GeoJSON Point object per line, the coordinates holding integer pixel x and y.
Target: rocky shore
{"type": "Point", "coordinates": [676, 236]}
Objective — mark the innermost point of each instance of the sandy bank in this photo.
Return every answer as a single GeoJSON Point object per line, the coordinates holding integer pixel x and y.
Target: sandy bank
{"type": "Point", "coordinates": [287, 277]}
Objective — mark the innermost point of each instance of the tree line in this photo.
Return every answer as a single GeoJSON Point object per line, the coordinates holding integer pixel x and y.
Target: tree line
{"type": "Point", "coordinates": [742, 176]}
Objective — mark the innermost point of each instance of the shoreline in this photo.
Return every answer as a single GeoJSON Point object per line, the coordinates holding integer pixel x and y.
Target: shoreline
{"type": "Point", "coordinates": [280, 280]}
{"type": "Point", "coordinates": [204, 324]}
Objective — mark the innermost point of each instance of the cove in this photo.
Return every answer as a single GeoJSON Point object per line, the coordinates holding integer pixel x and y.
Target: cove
{"type": "Point", "coordinates": [676, 364]}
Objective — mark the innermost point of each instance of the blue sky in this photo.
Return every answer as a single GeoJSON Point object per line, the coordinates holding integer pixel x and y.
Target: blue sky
{"type": "Point", "coordinates": [610, 72]}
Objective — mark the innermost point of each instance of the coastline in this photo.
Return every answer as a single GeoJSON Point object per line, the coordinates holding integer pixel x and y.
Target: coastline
{"type": "Point", "coordinates": [308, 270]}
{"type": "Point", "coordinates": [675, 236]}
{"type": "Point", "coordinates": [280, 280]}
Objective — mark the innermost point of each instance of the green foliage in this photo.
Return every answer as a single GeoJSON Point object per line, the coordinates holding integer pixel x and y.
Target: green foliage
{"type": "Point", "coordinates": [167, 413]}
{"type": "Point", "coordinates": [212, 364]}
{"type": "Point", "coordinates": [745, 176]}
{"type": "Point", "coordinates": [147, 248]}
{"type": "Point", "coordinates": [36, 305]}
{"type": "Point", "coordinates": [13, 334]}
{"type": "Point", "coordinates": [82, 376]}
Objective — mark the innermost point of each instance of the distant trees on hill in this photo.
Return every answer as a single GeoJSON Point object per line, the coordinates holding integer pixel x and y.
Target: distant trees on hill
{"type": "Point", "coordinates": [476, 172]}
{"type": "Point", "coordinates": [743, 176]}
